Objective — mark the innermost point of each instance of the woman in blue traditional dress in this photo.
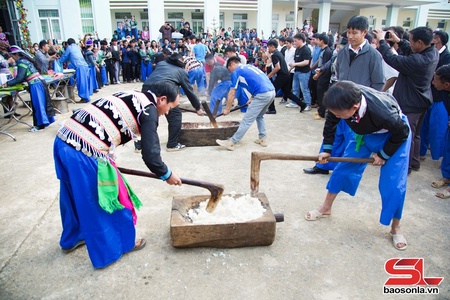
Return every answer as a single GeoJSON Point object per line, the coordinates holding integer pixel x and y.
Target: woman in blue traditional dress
{"type": "Point", "coordinates": [43, 113]}
{"type": "Point", "coordinates": [97, 205]}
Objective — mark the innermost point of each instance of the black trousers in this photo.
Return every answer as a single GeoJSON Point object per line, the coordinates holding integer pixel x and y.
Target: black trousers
{"type": "Point", "coordinates": [110, 70]}
{"type": "Point", "coordinates": [126, 71]}
{"type": "Point", "coordinates": [284, 83]}
{"type": "Point", "coordinates": [313, 88]}
{"type": "Point", "coordinates": [322, 87]}
{"type": "Point", "coordinates": [174, 118]}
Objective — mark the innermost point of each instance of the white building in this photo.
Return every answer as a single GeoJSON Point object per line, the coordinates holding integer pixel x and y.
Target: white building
{"type": "Point", "coordinates": [62, 19]}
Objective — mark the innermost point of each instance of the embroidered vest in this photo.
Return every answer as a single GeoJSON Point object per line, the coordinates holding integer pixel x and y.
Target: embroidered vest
{"type": "Point", "coordinates": [105, 124]}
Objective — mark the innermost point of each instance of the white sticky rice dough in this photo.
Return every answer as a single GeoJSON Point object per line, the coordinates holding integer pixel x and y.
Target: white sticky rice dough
{"type": "Point", "coordinates": [230, 209]}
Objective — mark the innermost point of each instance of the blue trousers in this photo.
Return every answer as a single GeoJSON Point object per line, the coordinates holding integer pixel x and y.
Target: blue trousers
{"type": "Point", "coordinates": [342, 137]}
{"type": "Point", "coordinates": [243, 96]}
{"type": "Point", "coordinates": [82, 74]}
{"type": "Point", "coordinates": [393, 174]}
{"type": "Point", "coordinates": [433, 130]}
{"type": "Point", "coordinates": [108, 236]}
{"type": "Point", "coordinates": [218, 93]}
{"type": "Point", "coordinates": [198, 76]}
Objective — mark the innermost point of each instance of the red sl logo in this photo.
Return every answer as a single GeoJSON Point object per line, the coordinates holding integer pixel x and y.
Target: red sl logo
{"type": "Point", "coordinates": [408, 271]}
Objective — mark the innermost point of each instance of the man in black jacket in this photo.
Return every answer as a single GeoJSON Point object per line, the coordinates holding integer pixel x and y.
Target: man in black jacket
{"type": "Point", "coordinates": [416, 68]}
{"type": "Point", "coordinates": [172, 69]}
{"type": "Point", "coordinates": [383, 133]}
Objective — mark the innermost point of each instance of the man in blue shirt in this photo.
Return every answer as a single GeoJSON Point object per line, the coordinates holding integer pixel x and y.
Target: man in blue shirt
{"type": "Point", "coordinates": [74, 55]}
{"type": "Point", "coordinates": [263, 93]}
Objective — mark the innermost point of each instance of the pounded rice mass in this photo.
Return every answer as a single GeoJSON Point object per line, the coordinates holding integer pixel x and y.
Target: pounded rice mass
{"type": "Point", "coordinates": [229, 210]}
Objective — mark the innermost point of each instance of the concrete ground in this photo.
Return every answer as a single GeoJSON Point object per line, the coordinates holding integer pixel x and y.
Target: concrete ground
{"type": "Point", "coordinates": [341, 257]}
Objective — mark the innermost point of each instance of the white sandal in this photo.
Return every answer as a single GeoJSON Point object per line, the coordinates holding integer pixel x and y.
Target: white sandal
{"type": "Point", "coordinates": [315, 215]}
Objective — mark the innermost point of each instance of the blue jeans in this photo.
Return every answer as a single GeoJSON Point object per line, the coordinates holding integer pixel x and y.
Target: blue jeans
{"type": "Point", "coordinates": [301, 82]}
{"type": "Point", "coordinates": [255, 111]}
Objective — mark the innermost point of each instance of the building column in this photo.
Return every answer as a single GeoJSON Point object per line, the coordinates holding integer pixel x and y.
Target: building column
{"type": "Point", "coordinates": [156, 17]}
{"type": "Point", "coordinates": [212, 16]}
{"type": "Point", "coordinates": [421, 15]}
{"type": "Point", "coordinates": [102, 25]}
{"type": "Point", "coordinates": [71, 11]}
{"type": "Point", "coordinates": [264, 22]}
{"type": "Point", "coordinates": [392, 15]}
{"type": "Point", "coordinates": [323, 24]}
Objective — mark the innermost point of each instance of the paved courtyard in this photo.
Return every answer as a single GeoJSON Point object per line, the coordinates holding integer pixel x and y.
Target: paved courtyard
{"type": "Point", "coordinates": [341, 257]}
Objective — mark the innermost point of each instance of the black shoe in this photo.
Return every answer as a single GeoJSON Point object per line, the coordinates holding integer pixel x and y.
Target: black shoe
{"type": "Point", "coordinates": [316, 170]}
{"type": "Point", "coordinates": [80, 243]}
{"type": "Point", "coordinates": [271, 112]}
{"type": "Point", "coordinates": [83, 101]}
{"type": "Point", "coordinates": [302, 105]}
{"type": "Point", "coordinates": [415, 168]}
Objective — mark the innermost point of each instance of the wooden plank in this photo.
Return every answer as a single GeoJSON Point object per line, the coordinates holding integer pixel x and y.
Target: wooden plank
{"type": "Point", "coordinates": [185, 234]}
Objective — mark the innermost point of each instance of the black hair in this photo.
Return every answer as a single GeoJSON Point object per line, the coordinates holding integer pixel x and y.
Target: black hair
{"type": "Point", "coordinates": [70, 41]}
{"type": "Point", "coordinates": [272, 43]}
{"type": "Point", "coordinates": [174, 59]}
{"type": "Point", "coordinates": [166, 51]}
{"type": "Point", "coordinates": [369, 38]}
{"type": "Point", "coordinates": [443, 36]}
{"type": "Point", "coordinates": [300, 36]}
{"type": "Point", "coordinates": [209, 56]}
{"type": "Point", "coordinates": [289, 39]}
{"type": "Point", "coordinates": [358, 22]}
{"type": "Point", "coordinates": [42, 44]}
{"type": "Point", "coordinates": [444, 73]}
{"type": "Point", "coordinates": [282, 39]}
{"type": "Point", "coordinates": [323, 37]}
{"type": "Point", "coordinates": [229, 49]}
{"type": "Point", "coordinates": [233, 59]}
{"type": "Point", "coordinates": [422, 33]}
{"type": "Point", "coordinates": [342, 95]}
{"type": "Point", "coordinates": [164, 88]}
{"type": "Point", "coordinates": [315, 35]}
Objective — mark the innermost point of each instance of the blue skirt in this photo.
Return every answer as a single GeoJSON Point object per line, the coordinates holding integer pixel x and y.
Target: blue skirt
{"type": "Point", "coordinates": [39, 102]}
{"type": "Point", "coordinates": [108, 236]}
{"type": "Point", "coordinates": [93, 85]}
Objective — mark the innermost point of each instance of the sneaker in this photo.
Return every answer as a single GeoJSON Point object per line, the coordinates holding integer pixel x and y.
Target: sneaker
{"type": "Point", "coordinates": [292, 105]}
{"type": "Point", "coordinates": [178, 147]}
{"type": "Point", "coordinates": [262, 142]}
{"type": "Point", "coordinates": [271, 112]}
{"type": "Point", "coordinates": [136, 150]}
{"type": "Point", "coordinates": [35, 129]}
{"type": "Point", "coordinates": [283, 101]}
{"type": "Point", "coordinates": [226, 143]}
{"type": "Point", "coordinates": [318, 117]}
{"type": "Point", "coordinates": [307, 108]}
